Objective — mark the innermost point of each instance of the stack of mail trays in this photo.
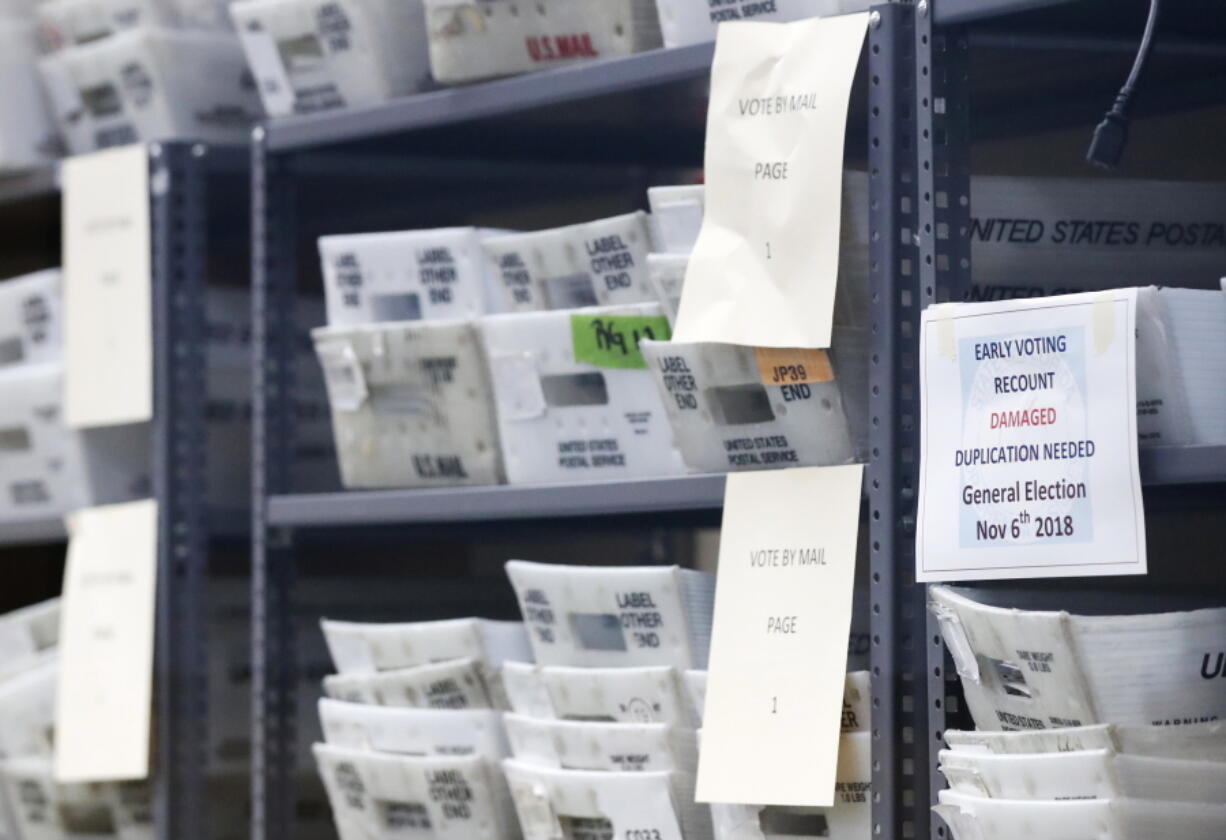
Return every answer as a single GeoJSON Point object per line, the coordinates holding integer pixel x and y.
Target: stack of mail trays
{"type": "Point", "coordinates": [467, 356]}
{"type": "Point", "coordinates": [413, 730]}
{"type": "Point", "coordinates": [1087, 726]}
{"type": "Point", "coordinates": [604, 728]}
{"type": "Point", "coordinates": [602, 731]}
{"type": "Point", "coordinates": [33, 806]}
{"type": "Point", "coordinates": [46, 469]}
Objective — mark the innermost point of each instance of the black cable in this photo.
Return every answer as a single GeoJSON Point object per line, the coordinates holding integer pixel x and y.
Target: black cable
{"type": "Point", "coordinates": [1111, 135]}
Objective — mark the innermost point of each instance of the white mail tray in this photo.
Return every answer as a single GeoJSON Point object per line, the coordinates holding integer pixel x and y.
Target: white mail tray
{"type": "Point", "coordinates": [407, 275]}
{"type": "Point", "coordinates": [358, 647]}
{"type": "Point", "coordinates": [646, 694]}
{"type": "Point", "coordinates": [480, 39]}
{"type": "Point", "coordinates": [731, 409]}
{"type": "Point", "coordinates": [598, 263]}
{"type": "Point", "coordinates": [409, 731]}
{"type": "Point", "coordinates": [147, 84]}
{"type": "Point", "coordinates": [411, 404]}
{"type": "Point", "coordinates": [31, 319]}
{"type": "Point", "coordinates": [591, 616]}
{"type": "Point", "coordinates": [454, 684]}
{"type": "Point", "coordinates": [316, 55]}
{"type": "Point", "coordinates": [575, 401]}
{"type": "Point", "coordinates": [1025, 669]}
{"type": "Point", "coordinates": [378, 796]}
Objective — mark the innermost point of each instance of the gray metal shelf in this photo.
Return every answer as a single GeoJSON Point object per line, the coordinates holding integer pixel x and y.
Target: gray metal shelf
{"type": "Point", "coordinates": [1167, 465]}
{"type": "Point", "coordinates": [477, 504]}
{"type": "Point", "coordinates": [33, 183]}
{"type": "Point", "coordinates": [510, 96]}
{"type": "Point", "coordinates": [27, 531]}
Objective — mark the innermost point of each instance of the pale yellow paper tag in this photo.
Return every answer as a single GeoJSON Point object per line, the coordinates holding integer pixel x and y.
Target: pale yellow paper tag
{"type": "Point", "coordinates": [102, 714]}
{"type": "Point", "coordinates": [108, 310]}
{"type": "Point", "coordinates": [764, 268]}
{"type": "Point", "coordinates": [778, 661]}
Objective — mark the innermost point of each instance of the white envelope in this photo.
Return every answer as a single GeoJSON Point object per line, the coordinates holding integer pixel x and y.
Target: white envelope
{"type": "Point", "coordinates": [407, 731]}
{"type": "Point", "coordinates": [1191, 741]}
{"type": "Point", "coordinates": [307, 56]}
{"type": "Point", "coordinates": [358, 647]}
{"type": "Point", "coordinates": [849, 819]}
{"type": "Point", "coordinates": [599, 263]}
{"type": "Point", "coordinates": [1085, 774]}
{"type": "Point", "coordinates": [30, 318]}
{"type": "Point", "coordinates": [1025, 669]}
{"type": "Point", "coordinates": [411, 404]}
{"type": "Point", "coordinates": [590, 804]}
{"type": "Point", "coordinates": [456, 684]}
{"type": "Point", "coordinates": [379, 796]}
{"type": "Point", "coordinates": [979, 818]}
{"type": "Point", "coordinates": [407, 275]}
{"type": "Point", "coordinates": [587, 616]}
{"type": "Point", "coordinates": [564, 420]}
{"type": "Point", "coordinates": [627, 695]}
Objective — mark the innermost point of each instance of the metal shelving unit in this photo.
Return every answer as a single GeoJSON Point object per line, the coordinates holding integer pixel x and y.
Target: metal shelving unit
{"type": "Point", "coordinates": [188, 174]}
{"type": "Point", "coordinates": [952, 38]}
{"type": "Point", "coordinates": [478, 504]}
{"type": "Point", "coordinates": [643, 110]}
{"type": "Point", "coordinates": [193, 183]}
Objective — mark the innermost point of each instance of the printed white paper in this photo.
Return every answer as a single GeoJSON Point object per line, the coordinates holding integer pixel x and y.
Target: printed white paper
{"type": "Point", "coordinates": [778, 661]}
{"type": "Point", "coordinates": [108, 314]}
{"type": "Point", "coordinates": [106, 644]}
{"type": "Point", "coordinates": [1029, 440]}
{"type": "Point", "coordinates": [764, 267]}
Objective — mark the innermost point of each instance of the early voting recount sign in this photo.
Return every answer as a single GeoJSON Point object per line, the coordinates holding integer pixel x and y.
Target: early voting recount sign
{"type": "Point", "coordinates": [1028, 439]}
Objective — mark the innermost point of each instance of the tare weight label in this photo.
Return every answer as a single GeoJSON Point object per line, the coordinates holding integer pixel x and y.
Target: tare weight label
{"type": "Point", "coordinates": [1028, 440]}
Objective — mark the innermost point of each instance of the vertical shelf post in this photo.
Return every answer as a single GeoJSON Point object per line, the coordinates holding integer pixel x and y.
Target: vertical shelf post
{"type": "Point", "coordinates": [273, 658]}
{"type": "Point", "coordinates": [943, 146]}
{"type": "Point", "coordinates": [178, 194]}
{"type": "Point", "coordinates": [899, 780]}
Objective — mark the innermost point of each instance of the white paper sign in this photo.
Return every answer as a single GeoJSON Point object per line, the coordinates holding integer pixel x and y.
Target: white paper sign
{"type": "Point", "coordinates": [108, 310]}
{"type": "Point", "coordinates": [1029, 439]}
{"type": "Point", "coordinates": [778, 662]}
{"type": "Point", "coordinates": [102, 712]}
{"type": "Point", "coordinates": [764, 267]}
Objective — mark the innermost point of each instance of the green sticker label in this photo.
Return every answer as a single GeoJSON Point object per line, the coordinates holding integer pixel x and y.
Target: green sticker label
{"type": "Point", "coordinates": [612, 341]}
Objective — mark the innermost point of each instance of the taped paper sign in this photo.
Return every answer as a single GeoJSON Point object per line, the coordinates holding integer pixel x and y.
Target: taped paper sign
{"type": "Point", "coordinates": [108, 314]}
{"type": "Point", "coordinates": [778, 660]}
{"type": "Point", "coordinates": [102, 715]}
{"type": "Point", "coordinates": [764, 268]}
{"type": "Point", "coordinates": [1036, 473]}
